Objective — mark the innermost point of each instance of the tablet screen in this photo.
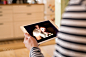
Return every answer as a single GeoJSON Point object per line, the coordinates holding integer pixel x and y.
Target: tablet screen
{"type": "Point", "coordinates": [42, 31]}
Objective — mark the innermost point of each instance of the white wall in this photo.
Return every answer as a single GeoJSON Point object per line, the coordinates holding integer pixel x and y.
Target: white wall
{"type": "Point", "coordinates": [57, 12]}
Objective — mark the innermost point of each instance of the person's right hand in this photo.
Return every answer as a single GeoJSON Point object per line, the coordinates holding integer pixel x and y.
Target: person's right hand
{"type": "Point", "coordinates": [29, 41]}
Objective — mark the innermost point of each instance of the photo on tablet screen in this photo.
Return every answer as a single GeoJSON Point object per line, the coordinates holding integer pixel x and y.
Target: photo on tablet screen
{"type": "Point", "coordinates": [42, 31]}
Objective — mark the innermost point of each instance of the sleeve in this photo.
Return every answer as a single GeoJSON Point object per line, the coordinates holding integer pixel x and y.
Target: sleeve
{"type": "Point", "coordinates": [35, 52]}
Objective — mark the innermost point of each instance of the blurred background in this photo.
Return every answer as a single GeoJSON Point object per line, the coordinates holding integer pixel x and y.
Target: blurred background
{"type": "Point", "coordinates": [15, 13]}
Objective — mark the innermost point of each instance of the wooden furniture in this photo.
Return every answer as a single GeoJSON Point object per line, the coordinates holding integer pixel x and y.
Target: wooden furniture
{"type": "Point", "coordinates": [13, 16]}
{"type": "Point", "coordinates": [6, 22]}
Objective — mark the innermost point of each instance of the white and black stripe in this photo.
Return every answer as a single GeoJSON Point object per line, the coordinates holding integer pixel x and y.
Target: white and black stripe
{"type": "Point", "coordinates": [72, 36]}
{"type": "Point", "coordinates": [75, 2]}
{"type": "Point", "coordinates": [35, 52]}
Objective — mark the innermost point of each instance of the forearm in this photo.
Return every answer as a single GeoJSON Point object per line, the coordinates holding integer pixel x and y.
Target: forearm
{"type": "Point", "coordinates": [35, 52]}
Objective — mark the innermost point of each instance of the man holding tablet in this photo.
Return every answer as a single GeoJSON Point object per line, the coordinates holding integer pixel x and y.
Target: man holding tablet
{"type": "Point", "coordinates": [72, 35]}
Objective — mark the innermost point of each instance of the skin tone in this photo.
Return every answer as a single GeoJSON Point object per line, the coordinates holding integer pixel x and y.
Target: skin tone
{"type": "Point", "coordinates": [29, 41]}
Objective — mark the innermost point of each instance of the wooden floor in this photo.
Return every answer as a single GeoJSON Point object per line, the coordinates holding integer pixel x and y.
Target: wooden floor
{"type": "Point", "coordinates": [46, 50]}
{"type": "Point", "coordinates": [17, 44]}
{"type": "Point", "coordinates": [16, 48]}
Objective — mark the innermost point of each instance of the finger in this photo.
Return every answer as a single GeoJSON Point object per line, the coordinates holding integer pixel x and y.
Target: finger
{"type": "Point", "coordinates": [27, 35]}
{"type": "Point", "coordinates": [25, 40]}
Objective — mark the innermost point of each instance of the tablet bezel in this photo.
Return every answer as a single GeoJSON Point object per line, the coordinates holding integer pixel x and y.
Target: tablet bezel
{"type": "Point", "coordinates": [25, 31]}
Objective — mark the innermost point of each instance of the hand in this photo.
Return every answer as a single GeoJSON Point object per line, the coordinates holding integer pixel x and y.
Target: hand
{"type": "Point", "coordinates": [29, 41]}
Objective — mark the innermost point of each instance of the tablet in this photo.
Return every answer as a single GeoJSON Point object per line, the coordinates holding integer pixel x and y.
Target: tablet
{"type": "Point", "coordinates": [42, 31]}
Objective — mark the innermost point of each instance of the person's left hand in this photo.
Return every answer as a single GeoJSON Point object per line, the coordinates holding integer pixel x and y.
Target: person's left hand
{"type": "Point", "coordinates": [29, 41]}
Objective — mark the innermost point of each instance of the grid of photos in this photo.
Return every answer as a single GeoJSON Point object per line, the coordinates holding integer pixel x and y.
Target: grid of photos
{"type": "Point", "coordinates": [42, 31]}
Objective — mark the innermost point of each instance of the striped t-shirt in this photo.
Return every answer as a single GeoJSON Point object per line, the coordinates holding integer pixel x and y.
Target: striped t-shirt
{"type": "Point", "coordinates": [72, 35]}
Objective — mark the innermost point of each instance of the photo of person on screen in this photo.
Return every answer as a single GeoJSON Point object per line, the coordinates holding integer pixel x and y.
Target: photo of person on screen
{"type": "Point", "coordinates": [41, 32]}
